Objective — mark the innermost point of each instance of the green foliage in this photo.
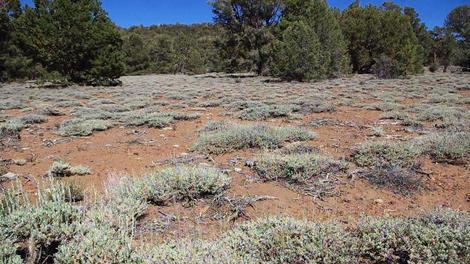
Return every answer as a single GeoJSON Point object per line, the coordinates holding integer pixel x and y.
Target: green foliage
{"type": "Point", "coordinates": [73, 38]}
{"type": "Point", "coordinates": [444, 47]}
{"type": "Point", "coordinates": [375, 34]}
{"type": "Point", "coordinates": [458, 24]}
{"type": "Point", "coordinates": [13, 63]}
{"type": "Point", "coordinates": [248, 32]}
{"type": "Point", "coordinates": [236, 137]}
{"type": "Point", "coordinates": [165, 49]}
{"type": "Point", "coordinates": [297, 56]}
{"type": "Point", "coordinates": [311, 45]}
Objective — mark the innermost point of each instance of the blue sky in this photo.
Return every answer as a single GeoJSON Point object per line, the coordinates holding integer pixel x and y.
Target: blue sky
{"type": "Point", "coordinates": [126, 13]}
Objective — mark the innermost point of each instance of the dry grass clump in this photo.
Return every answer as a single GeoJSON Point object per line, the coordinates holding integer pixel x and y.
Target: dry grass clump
{"type": "Point", "coordinates": [313, 172]}
{"type": "Point", "coordinates": [81, 127]}
{"type": "Point", "coordinates": [376, 153]}
{"type": "Point", "coordinates": [7, 104]}
{"type": "Point", "coordinates": [267, 111]}
{"type": "Point", "coordinates": [450, 147]}
{"type": "Point", "coordinates": [438, 237]}
{"type": "Point", "coordinates": [10, 132]}
{"type": "Point", "coordinates": [237, 137]}
{"type": "Point", "coordinates": [390, 165]}
{"type": "Point", "coordinates": [63, 169]}
{"type": "Point", "coordinates": [447, 116]}
{"type": "Point", "coordinates": [181, 183]}
{"type": "Point", "coordinates": [156, 120]}
{"type": "Point", "coordinates": [184, 183]}
{"type": "Point", "coordinates": [33, 232]}
{"type": "Point", "coordinates": [31, 119]}
{"type": "Point", "coordinates": [214, 126]}
{"type": "Point", "coordinates": [402, 180]}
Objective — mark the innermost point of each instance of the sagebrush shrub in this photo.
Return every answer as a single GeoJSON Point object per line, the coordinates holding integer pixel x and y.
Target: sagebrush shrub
{"type": "Point", "coordinates": [378, 153]}
{"type": "Point", "coordinates": [236, 137]}
{"type": "Point", "coordinates": [450, 147]}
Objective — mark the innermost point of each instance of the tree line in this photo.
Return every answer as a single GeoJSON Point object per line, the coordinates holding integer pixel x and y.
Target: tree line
{"type": "Point", "coordinates": [75, 41]}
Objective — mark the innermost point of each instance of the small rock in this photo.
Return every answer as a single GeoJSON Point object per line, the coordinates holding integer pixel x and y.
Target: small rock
{"type": "Point", "coordinates": [176, 146]}
{"type": "Point", "coordinates": [10, 176]}
{"type": "Point", "coordinates": [20, 162]}
{"type": "Point", "coordinates": [167, 128]}
{"type": "Point", "coordinates": [237, 169]}
{"type": "Point", "coordinates": [378, 201]}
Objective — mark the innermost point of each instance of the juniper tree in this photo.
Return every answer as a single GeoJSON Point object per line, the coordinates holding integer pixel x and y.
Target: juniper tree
{"type": "Point", "coordinates": [320, 53]}
{"type": "Point", "coordinates": [376, 34]}
{"type": "Point", "coordinates": [248, 26]}
{"type": "Point", "coordinates": [458, 24]}
{"type": "Point", "coordinates": [13, 64]}
{"type": "Point", "coordinates": [73, 38]}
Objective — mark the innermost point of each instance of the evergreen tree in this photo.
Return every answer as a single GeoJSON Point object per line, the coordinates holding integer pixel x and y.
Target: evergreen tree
{"type": "Point", "coordinates": [458, 24]}
{"type": "Point", "coordinates": [248, 36]}
{"type": "Point", "coordinates": [444, 47]}
{"type": "Point", "coordinates": [424, 36]}
{"type": "Point", "coordinates": [137, 53]}
{"type": "Point", "coordinates": [74, 38]}
{"type": "Point", "coordinates": [298, 55]}
{"type": "Point", "coordinates": [323, 41]}
{"type": "Point", "coordinates": [13, 64]}
{"type": "Point", "coordinates": [376, 34]}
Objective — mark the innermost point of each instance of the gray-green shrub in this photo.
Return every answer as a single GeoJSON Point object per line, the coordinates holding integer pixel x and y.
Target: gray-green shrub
{"type": "Point", "coordinates": [238, 137]}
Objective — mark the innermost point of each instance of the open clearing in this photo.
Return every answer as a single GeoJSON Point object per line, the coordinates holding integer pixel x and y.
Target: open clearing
{"type": "Point", "coordinates": [314, 151]}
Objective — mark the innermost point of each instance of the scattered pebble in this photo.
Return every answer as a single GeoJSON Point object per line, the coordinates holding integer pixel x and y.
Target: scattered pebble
{"type": "Point", "coordinates": [378, 201]}
{"type": "Point", "coordinates": [10, 176]}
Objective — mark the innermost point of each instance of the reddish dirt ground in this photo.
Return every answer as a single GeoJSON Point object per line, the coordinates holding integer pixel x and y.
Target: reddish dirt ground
{"type": "Point", "coordinates": [135, 151]}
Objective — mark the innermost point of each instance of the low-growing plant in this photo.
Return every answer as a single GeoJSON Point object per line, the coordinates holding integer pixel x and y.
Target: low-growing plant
{"type": "Point", "coordinates": [265, 112]}
{"type": "Point", "coordinates": [10, 131]}
{"type": "Point", "coordinates": [43, 226]}
{"type": "Point", "coordinates": [314, 172]}
{"type": "Point", "coordinates": [445, 114]}
{"type": "Point", "coordinates": [80, 127]}
{"type": "Point", "coordinates": [402, 180]}
{"type": "Point", "coordinates": [236, 137]}
{"type": "Point", "coordinates": [450, 147]}
{"type": "Point", "coordinates": [63, 169]}
{"type": "Point", "coordinates": [378, 153]}
{"type": "Point", "coordinates": [31, 119]}
{"type": "Point", "coordinates": [441, 236]}
{"type": "Point", "coordinates": [214, 126]}
{"type": "Point", "coordinates": [11, 104]}
{"type": "Point", "coordinates": [184, 183]}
